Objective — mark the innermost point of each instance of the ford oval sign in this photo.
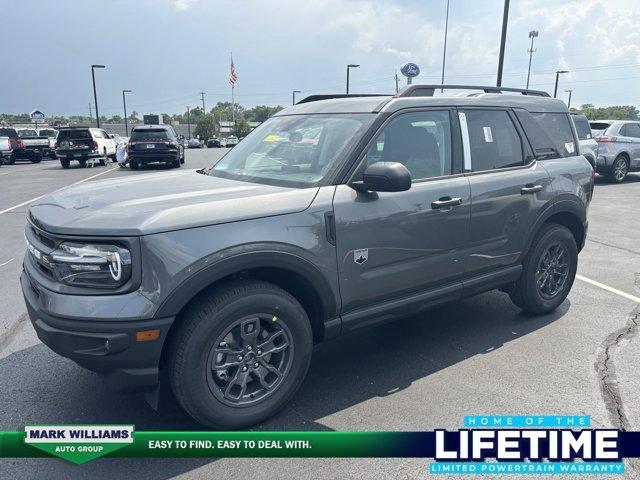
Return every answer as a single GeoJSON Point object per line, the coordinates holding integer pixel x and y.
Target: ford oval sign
{"type": "Point", "coordinates": [410, 70]}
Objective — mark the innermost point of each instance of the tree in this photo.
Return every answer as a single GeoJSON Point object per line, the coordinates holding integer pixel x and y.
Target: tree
{"type": "Point", "coordinates": [260, 113]}
{"type": "Point", "coordinates": [133, 118]}
{"type": "Point", "coordinates": [206, 127]}
{"type": "Point", "coordinates": [241, 127]}
{"type": "Point", "coordinates": [115, 119]}
{"type": "Point", "coordinates": [616, 112]}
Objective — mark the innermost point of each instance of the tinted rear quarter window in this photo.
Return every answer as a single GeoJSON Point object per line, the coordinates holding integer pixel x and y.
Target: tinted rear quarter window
{"type": "Point", "coordinates": [550, 134]}
{"type": "Point", "coordinates": [630, 130]}
{"type": "Point", "coordinates": [582, 128]}
{"type": "Point", "coordinates": [494, 140]}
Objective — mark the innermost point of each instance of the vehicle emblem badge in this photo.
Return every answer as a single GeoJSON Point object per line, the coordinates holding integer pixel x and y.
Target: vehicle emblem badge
{"type": "Point", "coordinates": [360, 256]}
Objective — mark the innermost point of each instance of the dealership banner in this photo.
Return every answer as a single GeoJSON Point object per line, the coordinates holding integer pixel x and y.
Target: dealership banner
{"type": "Point", "coordinates": [487, 445]}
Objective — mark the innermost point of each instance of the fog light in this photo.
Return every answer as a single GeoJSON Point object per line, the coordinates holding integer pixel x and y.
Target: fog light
{"type": "Point", "coordinates": [148, 335]}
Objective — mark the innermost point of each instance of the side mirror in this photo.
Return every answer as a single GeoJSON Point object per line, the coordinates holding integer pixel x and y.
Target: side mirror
{"type": "Point", "coordinates": [384, 177]}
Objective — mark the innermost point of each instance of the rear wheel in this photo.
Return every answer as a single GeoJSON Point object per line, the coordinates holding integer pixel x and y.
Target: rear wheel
{"type": "Point", "coordinates": [64, 162]}
{"type": "Point", "coordinates": [176, 163]}
{"type": "Point", "coordinates": [11, 160]}
{"type": "Point", "coordinates": [37, 158]}
{"type": "Point", "coordinates": [133, 164]}
{"type": "Point", "coordinates": [240, 354]}
{"type": "Point", "coordinates": [619, 169]}
{"type": "Point", "coordinates": [548, 271]}
{"type": "Point", "coordinates": [83, 163]}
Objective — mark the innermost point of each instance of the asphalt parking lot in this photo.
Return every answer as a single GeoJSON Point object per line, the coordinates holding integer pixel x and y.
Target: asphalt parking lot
{"type": "Point", "coordinates": [479, 356]}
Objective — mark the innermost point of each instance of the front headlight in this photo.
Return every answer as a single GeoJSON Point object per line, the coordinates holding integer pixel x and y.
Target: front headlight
{"type": "Point", "coordinates": [91, 265]}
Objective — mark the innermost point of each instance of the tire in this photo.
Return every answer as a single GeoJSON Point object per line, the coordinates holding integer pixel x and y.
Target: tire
{"type": "Point", "coordinates": [11, 160]}
{"type": "Point", "coordinates": [133, 165]}
{"type": "Point", "coordinates": [36, 158]}
{"type": "Point", "coordinates": [83, 163]}
{"type": "Point", "coordinates": [527, 293]}
{"type": "Point", "coordinates": [176, 163]}
{"type": "Point", "coordinates": [619, 169]}
{"type": "Point", "coordinates": [64, 162]}
{"type": "Point", "coordinates": [236, 306]}
{"type": "Point", "coordinates": [102, 162]}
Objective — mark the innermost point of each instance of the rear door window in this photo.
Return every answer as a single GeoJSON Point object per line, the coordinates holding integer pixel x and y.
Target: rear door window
{"type": "Point", "coordinates": [494, 141]}
{"type": "Point", "coordinates": [582, 128]}
{"type": "Point", "coordinates": [631, 130]}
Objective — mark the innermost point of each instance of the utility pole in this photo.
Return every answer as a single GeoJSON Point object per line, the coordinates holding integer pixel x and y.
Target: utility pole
{"type": "Point", "coordinates": [90, 111]}
{"type": "Point", "coordinates": [188, 123]}
{"type": "Point", "coordinates": [569, 102]}
{"type": "Point", "coordinates": [444, 51]}
{"type": "Point", "coordinates": [204, 111]}
{"type": "Point", "coordinates": [397, 82]}
{"type": "Point", "coordinates": [503, 41]}
{"type": "Point", "coordinates": [293, 96]}
{"type": "Point", "coordinates": [532, 34]}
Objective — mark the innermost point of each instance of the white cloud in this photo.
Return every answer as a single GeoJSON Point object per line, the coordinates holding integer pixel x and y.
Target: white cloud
{"type": "Point", "coordinates": [182, 5]}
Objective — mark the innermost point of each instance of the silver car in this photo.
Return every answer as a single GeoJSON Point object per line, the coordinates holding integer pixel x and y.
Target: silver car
{"type": "Point", "coordinates": [586, 143]}
{"type": "Point", "coordinates": [618, 147]}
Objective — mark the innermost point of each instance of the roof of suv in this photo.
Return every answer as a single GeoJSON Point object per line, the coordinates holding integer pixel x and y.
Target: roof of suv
{"type": "Point", "coordinates": [528, 100]}
{"type": "Point", "coordinates": [152, 127]}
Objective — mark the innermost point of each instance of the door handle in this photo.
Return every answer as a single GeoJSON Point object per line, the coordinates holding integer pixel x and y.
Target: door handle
{"type": "Point", "coordinates": [530, 188]}
{"type": "Point", "coordinates": [443, 202]}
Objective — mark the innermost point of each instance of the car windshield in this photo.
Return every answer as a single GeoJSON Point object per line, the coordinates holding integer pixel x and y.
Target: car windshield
{"type": "Point", "coordinates": [295, 150]}
{"type": "Point", "coordinates": [149, 134]}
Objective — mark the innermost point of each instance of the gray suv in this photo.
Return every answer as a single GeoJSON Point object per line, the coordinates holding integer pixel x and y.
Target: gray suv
{"type": "Point", "coordinates": [618, 147]}
{"type": "Point", "coordinates": [337, 213]}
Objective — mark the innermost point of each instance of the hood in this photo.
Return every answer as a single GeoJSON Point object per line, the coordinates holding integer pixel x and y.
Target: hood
{"type": "Point", "coordinates": [161, 202]}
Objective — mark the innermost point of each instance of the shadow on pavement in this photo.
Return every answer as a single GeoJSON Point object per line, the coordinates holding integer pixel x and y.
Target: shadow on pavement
{"type": "Point", "coordinates": [39, 387]}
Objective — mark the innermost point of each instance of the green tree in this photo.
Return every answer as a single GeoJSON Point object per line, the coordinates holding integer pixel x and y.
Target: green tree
{"type": "Point", "coordinates": [116, 119]}
{"type": "Point", "coordinates": [241, 128]}
{"type": "Point", "coordinates": [133, 117]}
{"type": "Point", "coordinates": [616, 112]}
{"type": "Point", "coordinates": [205, 127]}
{"type": "Point", "coordinates": [260, 113]}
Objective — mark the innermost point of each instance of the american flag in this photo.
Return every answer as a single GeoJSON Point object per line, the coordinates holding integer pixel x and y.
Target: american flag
{"type": "Point", "coordinates": [233, 77]}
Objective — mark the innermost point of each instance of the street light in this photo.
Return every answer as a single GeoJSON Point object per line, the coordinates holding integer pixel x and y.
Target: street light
{"type": "Point", "coordinates": [95, 95]}
{"type": "Point", "coordinates": [188, 123]}
{"type": "Point", "coordinates": [503, 41]}
{"type": "Point", "coordinates": [351, 65]}
{"type": "Point", "coordinates": [293, 96]}
{"type": "Point", "coordinates": [569, 102]}
{"type": "Point", "coordinates": [532, 34]}
{"type": "Point", "coordinates": [555, 89]}
{"type": "Point", "coordinates": [124, 104]}
{"type": "Point", "coordinates": [444, 50]}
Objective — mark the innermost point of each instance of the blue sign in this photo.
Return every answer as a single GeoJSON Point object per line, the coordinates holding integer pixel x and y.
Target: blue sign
{"type": "Point", "coordinates": [410, 70]}
{"type": "Point", "coordinates": [36, 115]}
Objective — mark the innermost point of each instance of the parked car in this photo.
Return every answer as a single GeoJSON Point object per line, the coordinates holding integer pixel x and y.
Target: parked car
{"type": "Point", "coordinates": [18, 150]}
{"type": "Point", "coordinates": [5, 150]}
{"type": "Point", "coordinates": [231, 142]}
{"type": "Point", "coordinates": [224, 278]}
{"type": "Point", "coordinates": [37, 145]}
{"type": "Point", "coordinates": [618, 148]}
{"type": "Point", "coordinates": [586, 142]}
{"type": "Point", "coordinates": [213, 143]}
{"type": "Point", "coordinates": [83, 144]}
{"type": "Point", "coordinates": [51, 134]}
{"type": "Point", "coordinates": [154, 144]}
{"type": "Point", "coordinates": [194, 143]}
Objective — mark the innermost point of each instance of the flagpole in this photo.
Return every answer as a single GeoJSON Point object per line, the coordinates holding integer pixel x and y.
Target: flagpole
{"type": "Point", "coordinates": [233, 103]}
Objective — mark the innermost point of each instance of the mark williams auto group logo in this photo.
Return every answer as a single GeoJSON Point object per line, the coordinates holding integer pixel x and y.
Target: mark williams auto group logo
{"type": "Point", "coordinates": [548, 443]}
{"type": "Point", "coordinates": [79, 443]}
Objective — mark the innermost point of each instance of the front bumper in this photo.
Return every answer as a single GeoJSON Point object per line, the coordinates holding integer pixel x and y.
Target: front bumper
{"type": "Point", "coordinates": [105, 346]}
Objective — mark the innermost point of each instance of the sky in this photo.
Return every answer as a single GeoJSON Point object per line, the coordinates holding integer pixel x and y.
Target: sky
{"type": "Point", "coordinates": [167, 51]}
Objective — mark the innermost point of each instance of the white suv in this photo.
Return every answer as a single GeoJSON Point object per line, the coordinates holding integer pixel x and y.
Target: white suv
{"type": "Point", "coordinates": [83, 144]}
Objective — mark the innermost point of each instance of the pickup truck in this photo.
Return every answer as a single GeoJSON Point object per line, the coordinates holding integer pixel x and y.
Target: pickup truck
{"type": "Point", "coordinates": [35, 146]}
{"type": "Point", "coordinates": [18, 150]}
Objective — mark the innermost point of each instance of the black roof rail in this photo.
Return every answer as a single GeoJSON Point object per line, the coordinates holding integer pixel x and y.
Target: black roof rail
{"type": "Point", "coordinates": [429, 90]}
{"type": "Point", "coordinates": [315, 98]}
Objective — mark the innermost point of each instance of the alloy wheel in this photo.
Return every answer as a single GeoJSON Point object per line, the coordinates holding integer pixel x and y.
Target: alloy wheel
{"type": "Point", "coordinates": [620, 169]}
{"type": "Point", "coordinates": [552, 271]}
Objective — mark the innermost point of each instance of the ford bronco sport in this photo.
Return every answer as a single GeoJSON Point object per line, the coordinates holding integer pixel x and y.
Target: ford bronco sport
{"type": "Point", "coordinates": [338, 213]}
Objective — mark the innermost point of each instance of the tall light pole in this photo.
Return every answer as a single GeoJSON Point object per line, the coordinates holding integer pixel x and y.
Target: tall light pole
{"type": "Point", "coordinates": [555, 89]}
{"type": "Point", "coordinates": [503, 41]}
{"type": "Point", "coordinates": [95, 95]}
{"type": "Point", "coordinates": [569, 102]}
{"type": "Point", "coordinates": [351, 65]}
{"type": "Point", "coordinates": [293, 96]}
{"type": "Point", "coordinates": [532, 34]}
{"type": "Point", "coordinates": [444, 51]}
{"type": "Point", "coordinates": [124, 104]}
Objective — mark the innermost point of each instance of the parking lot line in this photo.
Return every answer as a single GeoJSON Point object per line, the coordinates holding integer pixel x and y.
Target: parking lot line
{"type": "Point", "coordinates": [38, 198]}
{"type": "Point", "coordinates": [608, 288]}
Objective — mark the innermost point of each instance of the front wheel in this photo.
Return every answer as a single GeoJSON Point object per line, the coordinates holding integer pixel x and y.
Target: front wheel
{"type": "Point", "coordinates": [548, 272]}
{"type": "Point", "coordinates": [240, 354]}
{"type": "Point", "coordinates": [64, 162]}
{"type": "Point", "coordinates": [619, 169]}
